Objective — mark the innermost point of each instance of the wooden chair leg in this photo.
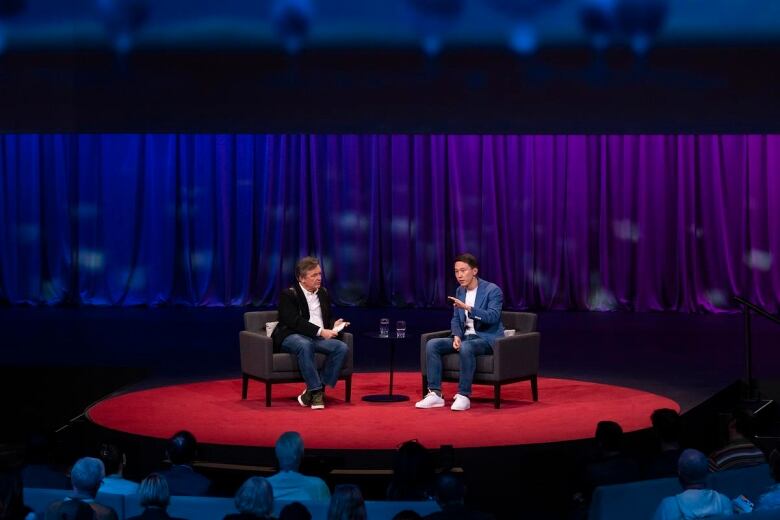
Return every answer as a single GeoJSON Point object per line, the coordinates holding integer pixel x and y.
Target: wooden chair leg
{"type": "Point", "coordinates": [534, 389]}
{"type": "Point", "coordinates": [268, 393]}
{"type": "Point", "coordinates": [244, 385]}
{"type": "Point", "coordinates": [348, 388]}
{"type": "Point", "coordinates": [497, 395]}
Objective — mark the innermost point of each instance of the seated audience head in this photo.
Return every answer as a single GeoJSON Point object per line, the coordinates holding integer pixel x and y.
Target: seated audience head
{"type": "Point", "coordinates": [609, 436]}
{"type": "Point", "coordinates": [666, 425]}
{"type": "Point", "coordinates": [182, 448]}
{"type": "Point", "coordinates": [413, 472]}
{"type": "Point", "coordinates": [86, 475]}
{"type": "Point", "coordinates": [154, 492]}
{"type": "Point", "coordinates": [450, 490]}
{"type": "Point", "coordinates": [294, 511]}
{"type": "Point", "coordinates": [774, 464]}
{"type": "Point", "coordinates": [255, 497]}
{"type": "Point", "coordinates": [693, 468]}
{"type": "Point", "coordinates": [112, 457]}
{"type": "Point", "coordinates": [72, 510]}
{"type": "Point", "coordinates": [741, 424]}
{"type": "Point", "coordinates": [11, 494]}
{"type": "Point", "coordinates": [347, 503]}
{"type": "Point", "coordinates": [289, 451]}
{"type": "Point", "coordinates": [407, 514]}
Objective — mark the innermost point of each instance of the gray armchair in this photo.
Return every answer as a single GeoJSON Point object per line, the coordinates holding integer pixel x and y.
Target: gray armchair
{"type": "Point", "coordinates": [259, 362]}
{"type": "Point", "coordinates": [515, 358]}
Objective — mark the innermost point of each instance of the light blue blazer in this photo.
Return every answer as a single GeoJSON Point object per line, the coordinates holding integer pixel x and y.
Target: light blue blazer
{"type": "Point", "coordinates": [486, 312]}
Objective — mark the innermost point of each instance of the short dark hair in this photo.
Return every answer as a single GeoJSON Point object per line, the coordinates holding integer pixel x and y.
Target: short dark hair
{"type": "Point", "coordinates": [450, 489]}
{"type": "Point", "coordinates": [182, 447]}
{"type": "Point", "coordinates": [294, 511]}
{"type": "Point", "coordinates": [609, 435]}
{"type": "Point", "coordinates": [743, 422]}
{"type": "Point", "coordinates": [111, 457]}
{"type": "Point", "coordinates": [304, 265]}
{"type": "Point", "coordinates": [666, 424]}
{"type": "Point", "coordinates": [467, 258]}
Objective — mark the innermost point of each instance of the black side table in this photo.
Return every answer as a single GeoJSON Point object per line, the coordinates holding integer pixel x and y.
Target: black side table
{"type": "Point", "coordinates": [389, 397]}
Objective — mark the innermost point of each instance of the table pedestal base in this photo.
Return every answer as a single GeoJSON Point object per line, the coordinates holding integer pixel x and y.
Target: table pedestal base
{"type": "Point", "coordinates": [385, 398]}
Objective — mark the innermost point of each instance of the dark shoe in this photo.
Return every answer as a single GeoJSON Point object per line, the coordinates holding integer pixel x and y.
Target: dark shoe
{"type": "Point", "coordinates": [317, 400]}
{"type": "Point", "coordinates": [305, 398]}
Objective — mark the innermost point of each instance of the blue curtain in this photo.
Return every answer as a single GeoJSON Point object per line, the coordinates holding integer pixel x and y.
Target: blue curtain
{"type": "Point", "coordinates": [564, 222]}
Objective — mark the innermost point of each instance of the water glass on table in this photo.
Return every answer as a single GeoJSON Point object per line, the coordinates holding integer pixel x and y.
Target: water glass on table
{"type": "Point", "coordinates": [400, 328]}
{"type": "Point", "coordinates": [384, 327]}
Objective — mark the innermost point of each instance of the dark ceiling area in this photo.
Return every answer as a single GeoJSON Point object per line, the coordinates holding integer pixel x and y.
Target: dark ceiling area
{"type": "Point", "coordinates": [413, 66]}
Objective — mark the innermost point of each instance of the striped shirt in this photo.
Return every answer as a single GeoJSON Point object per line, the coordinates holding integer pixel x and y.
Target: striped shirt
{"type": "Point", "coordinates": [740, 453]}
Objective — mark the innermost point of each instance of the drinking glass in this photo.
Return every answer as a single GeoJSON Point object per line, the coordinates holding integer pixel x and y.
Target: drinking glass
{"type": "Point", "coordinates": [400, 328]}
{"type": "Point", "coordinates": [384, 327]}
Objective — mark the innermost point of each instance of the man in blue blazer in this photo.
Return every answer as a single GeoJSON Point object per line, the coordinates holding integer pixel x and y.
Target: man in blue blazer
{"type": "Point", "coordinates": [476, 324]}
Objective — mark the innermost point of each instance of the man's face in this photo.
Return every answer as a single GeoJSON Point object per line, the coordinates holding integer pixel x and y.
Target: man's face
{"type": "Point", "coordinates": [311, 279]}
{"type": "Point", "coordinates": [464, 273]}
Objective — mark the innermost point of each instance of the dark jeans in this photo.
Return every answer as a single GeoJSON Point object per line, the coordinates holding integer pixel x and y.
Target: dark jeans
{"type": "Point", "coordinates": [470, 347]}
{"type": "Point", "coordinates": [304, 348]}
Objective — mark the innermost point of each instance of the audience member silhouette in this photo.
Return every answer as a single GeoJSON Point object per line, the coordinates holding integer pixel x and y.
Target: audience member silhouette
{"type": "Point", "coordinates": [86, 475]}
{"type": "Point", "coordinates": [12, 495]}
{"type": "Point", "coordinates": [294, 511]}
{"type": "Point", "coordinates": [413, 473]}
{"type": "Point", "coordinates": [289, 484]}
{"type": "Point", "coordinates": [450, 492]}
{"type": "Point", "coordinates": [609, 465]}
{"type": "Point", "coordinates": [696, 501]}
{"type": "Point", "coordinates": [771, 499]}
{"type": "Point", "coordinates": [407, 514]}
{"type": "Point", "coordinates": [72, 510]}
{"type": "Point", "coordinates": [182, 478]}
{"type": "Point", "coordinates": [154, 495]}
{"type": "Point", "coordinates": [254, 499]}
{"type": "Point", "coordinates": [667, 428]}
{"type": "Point", "coordinates": [347, 503]}
{"type": "Point", "coordinates": [114, 462]}
{"type": "Point", "coordinates": [740, 452]}
{"type": "Point", "coordinates": [39, 472]}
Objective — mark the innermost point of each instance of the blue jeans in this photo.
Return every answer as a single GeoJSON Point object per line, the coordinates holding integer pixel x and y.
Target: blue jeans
{"type": "Point", "coordinates": [304, 348]}
{"type": "Point", "coordinates": [470, 347]}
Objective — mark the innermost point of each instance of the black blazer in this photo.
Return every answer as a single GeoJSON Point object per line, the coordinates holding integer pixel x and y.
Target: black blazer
{"type": "Point", "coordinates": [294, 315]}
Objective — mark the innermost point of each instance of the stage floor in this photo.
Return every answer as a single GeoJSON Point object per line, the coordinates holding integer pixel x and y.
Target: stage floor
{"type": "Point", "coordinates": [214, 411]}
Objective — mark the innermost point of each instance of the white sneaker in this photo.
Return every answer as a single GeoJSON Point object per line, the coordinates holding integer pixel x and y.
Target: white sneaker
{"type": "Point", "coordinates": [461, 403]}
{"type": "Point", "coordinates": [432, 400]}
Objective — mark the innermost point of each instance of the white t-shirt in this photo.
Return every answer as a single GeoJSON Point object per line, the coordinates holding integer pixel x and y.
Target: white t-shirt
{"type": "Point", "coordinates": [291, 485]}
{"type": "Point", "coordinates": [118, 486]}
{"type": "Point", "coordinates": [315, 312]}
{"type": "Point", "coordinates": [471, 297]}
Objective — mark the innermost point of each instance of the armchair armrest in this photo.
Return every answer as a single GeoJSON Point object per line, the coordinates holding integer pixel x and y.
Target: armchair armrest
{"type": "Point", "coordinates": [424, 338]}
{"type": "Point", "coordinates": [257, 351]}
{"type": "Point", "coordinates": [516, 356]}
{"type": "Point", "coordinates": [347, 338]}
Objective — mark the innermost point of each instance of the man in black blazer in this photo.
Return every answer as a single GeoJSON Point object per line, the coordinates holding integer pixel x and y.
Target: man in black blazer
{"type": "Point", "coordinates": [307, 327]}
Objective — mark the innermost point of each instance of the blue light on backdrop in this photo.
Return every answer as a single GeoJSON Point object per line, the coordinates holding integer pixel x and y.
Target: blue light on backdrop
{"type": "Point", "coordinates": [561, 222]}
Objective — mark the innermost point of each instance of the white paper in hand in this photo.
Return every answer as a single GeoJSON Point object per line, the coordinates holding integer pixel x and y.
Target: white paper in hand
{"type": "Point", "coordinates": [338, 328]}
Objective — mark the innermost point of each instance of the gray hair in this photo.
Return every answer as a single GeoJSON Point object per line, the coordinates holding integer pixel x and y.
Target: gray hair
{"type": "Point", "coordinates": [692, 467]}
{"type": "Point", "coordinates": [154, 491]}
{"type": "Point", "coordinates": [255, 497]}
{"type": "Point", "coordinates": [87, 474]}
{"type": "Point", "coordinates": [289, 451]}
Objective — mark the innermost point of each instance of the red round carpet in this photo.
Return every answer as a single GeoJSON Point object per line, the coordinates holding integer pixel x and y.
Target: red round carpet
{"type": "Point", "coordinates": [215, 413]}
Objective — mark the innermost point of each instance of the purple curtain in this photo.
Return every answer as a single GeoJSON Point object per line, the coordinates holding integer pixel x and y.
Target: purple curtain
{"type": "Point", "coordinates": [559, 222]}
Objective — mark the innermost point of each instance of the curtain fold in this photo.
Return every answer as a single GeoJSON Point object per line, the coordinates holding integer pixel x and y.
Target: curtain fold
{"type": "Point", "coordinates": [636, 222]}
